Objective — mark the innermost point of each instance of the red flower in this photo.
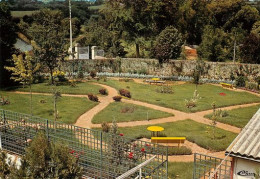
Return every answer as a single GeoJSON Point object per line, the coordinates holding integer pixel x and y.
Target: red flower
{"type": "Point", "coordinates": [130, 155]}
{"type": "Point", "coordinates": [148, 145]}
{"type": "Point", "coordinates": [222, 94]}
{"type": "Point", "coordinates": [142, 150]}
{"type": "Point", "coordinates": [121, 134]}
{"type": "Point", "coordinates": [72, 152]}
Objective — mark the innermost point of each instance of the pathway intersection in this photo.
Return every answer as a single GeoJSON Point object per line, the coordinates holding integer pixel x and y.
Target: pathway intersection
{"type": "Point", "coordinates": [85, 120]}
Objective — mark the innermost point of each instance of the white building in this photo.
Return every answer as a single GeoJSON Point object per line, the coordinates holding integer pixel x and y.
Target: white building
{"type": "Point", "coordinates": [245, 151]}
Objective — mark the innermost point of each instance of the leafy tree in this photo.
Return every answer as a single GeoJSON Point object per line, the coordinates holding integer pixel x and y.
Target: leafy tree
{"type": "Point", "coordinates": [24, 70]}
{"type": "Point", "coordinates": [7, 41]}
{"type": "Point", "coordinates": [49, 36]}
{"type": "Point", "coordinates": [244, 18]}
{"type": "Point", "coordinates": [194, 16]}
{"type": "Point", "coordinates": [44, 159]}
{"type": "Point", "coordinates": [129, 19]}
{"type": "Point", "coordinates": [168, 44]}
{"type": "Point", "coordinates": [214, 45]}
{"type": "Point", "coordinates": [250, 49]}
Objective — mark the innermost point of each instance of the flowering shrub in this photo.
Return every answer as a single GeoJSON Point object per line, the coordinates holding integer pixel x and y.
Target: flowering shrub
{"type": "Point", "coordinates": [125, 93]}
{"type": "Point", "coordinates": [59, 76]}
{"type": "Point", "coordinates": [103, 91]}
{"type": "Point", "coordinates": [117, 98]}
{"type": "Point", "coordinates": [4, 101]}
{"type": "Point", "coordinates": [222, 94]}
{"type": "Point", "coordinates": [92, 97]}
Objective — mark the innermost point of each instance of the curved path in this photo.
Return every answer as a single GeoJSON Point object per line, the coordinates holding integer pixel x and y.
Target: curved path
{"type": "Point", "coordinates": [85, 120]}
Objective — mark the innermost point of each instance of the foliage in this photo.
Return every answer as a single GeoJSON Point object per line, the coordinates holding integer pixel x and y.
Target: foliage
{"type": "Point", "coordinates": [7, 41]}
{"type": "Point", "coordinates": [59, 76]}
{"type": "Point", "coordinates": [49, 38]}
{"type": "Point", "coordinates": [192, 102]}
{"type": "Point", "coordinates": [182, 150]}
{"type": "Point", "coordinates": [4, 100]}
{"type": "Point", "coordinates": [164, 89]}
{"type": "Point", "coordinates": [125, 93]}
{"type": "Point", "coordinates": [252, 85]}
{"type": "Point", "coordinates": [105, 127]}
{"type": "Point", "coordinates": [93, 74]}
{"type": "Point", "coordinates": [214, 44]}
{"type": "Point", "coordinates": [92, 97]}
{"type": "Point", "coordinates": [221, 113]}
{"type": "Point", "coordinates": [5, 169]}
{"type": "Point", "coordinates": [250, 49]}
{"type": "Point", "coordinates": [44, 159]}
{"type": "Point", "coordinates": [117, 98]}
{"type": "Point", "coordinates": [168, 44]}
{"type": "Point", "coordinates": [103, 91]}
{"type": "Point", "coordinates": [241, 81]}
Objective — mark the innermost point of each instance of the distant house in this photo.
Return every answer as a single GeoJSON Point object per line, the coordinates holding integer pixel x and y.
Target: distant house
{"type": "Point", "coordinates": [245, 151]}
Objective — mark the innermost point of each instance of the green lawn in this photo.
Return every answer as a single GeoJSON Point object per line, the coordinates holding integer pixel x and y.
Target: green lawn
{"type": "Point", "coordinates": [180, 170]}
{"type": "Point", "coordinates": [238, 117]}
{"type": "Point", "coordinates": [69, 108]}
{"type": "Point", "coordinates": [195, 132]}
{"type": "Point", "coordinates": [81, 88]}
{"type": "Point", "coordinates": [123, 112]}
{"type": "Point", "coordinates": [207, 92]}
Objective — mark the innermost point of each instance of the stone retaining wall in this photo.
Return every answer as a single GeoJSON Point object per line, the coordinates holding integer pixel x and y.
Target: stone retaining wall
{"type": "Point", "coordinates": [212, 70]}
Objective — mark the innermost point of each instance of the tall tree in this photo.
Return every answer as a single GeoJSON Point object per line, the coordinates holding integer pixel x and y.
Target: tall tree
{"type": "Point", "coordinates": [7, 41]}
{"type": "Point", "coordinates": [24, 70]}
{"type": "Point", "coordinates": [250, 49]}
{"type": "Point", "coordinates": [49, 36]}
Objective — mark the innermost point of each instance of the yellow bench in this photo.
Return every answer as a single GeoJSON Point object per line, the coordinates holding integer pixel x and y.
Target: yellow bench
{"type": "Point", "coordinates": [176, 140]}
{"type": "Point", "coordinates": [226, 85]}
{"type": "Point", "coordinates": [155, 80]}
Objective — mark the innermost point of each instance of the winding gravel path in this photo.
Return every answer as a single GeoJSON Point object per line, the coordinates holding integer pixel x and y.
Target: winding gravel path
{"type": "Point", "coordinates": [85, 120]}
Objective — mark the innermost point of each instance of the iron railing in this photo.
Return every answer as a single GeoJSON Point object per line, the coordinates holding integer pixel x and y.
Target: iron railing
{"type": "Point", "coordinates": [97, 156]}
{"type": "Point", "coordinates": [206, 166]}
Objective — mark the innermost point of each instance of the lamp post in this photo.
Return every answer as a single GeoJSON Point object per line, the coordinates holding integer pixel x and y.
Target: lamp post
{"type": "Point", "coordinates": [71, 48]}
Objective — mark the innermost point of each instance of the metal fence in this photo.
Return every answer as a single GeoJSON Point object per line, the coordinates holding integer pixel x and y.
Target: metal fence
{"type": "Point", "coordinates": [205, 165]}
{"type": "Point", "coordinates": [102, 155]}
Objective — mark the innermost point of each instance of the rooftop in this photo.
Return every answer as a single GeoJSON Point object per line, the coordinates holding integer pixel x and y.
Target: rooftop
{"type": "Point", "coordinates": [246, 145]}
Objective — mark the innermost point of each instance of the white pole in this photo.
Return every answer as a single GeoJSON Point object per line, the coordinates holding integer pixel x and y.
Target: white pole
{"type": "Point", "coordinates": [71, 31]}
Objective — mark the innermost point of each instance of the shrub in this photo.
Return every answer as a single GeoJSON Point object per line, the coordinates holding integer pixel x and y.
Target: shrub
{"type": "Point", "coordinates": [117, 98]}
{"type": "Point", "coordinates": [241, 81]}
{"type": "Point", "coordinates": [127, 109]}
{"type": "Point", "coordinates": [80, 75]}
{"type": "Point", "coordinates": [4, 101]}
{"type": "Point", "coordinates": [59, 76]}
{"type": "Point", "coordinates": [221, 113]}
{"type": "Point", "coordinates": [92, 97]}
{"type": "Point", "coordinates": [164, 89]}
{"type": "Point", "coordinates": [93, 74]}
{"type": "Point", "coordinates": [179, 151]}
{"type": "Point", "coordinates": [125, 93]}
{"type": "Point", "coordinates": [251, 85]}
{"type": "Point", "coordinates": [103, 91]}
{"type": "Point", "coordinates": [105, 127]}
{"type": "Point", "coordinates": [168, 44]}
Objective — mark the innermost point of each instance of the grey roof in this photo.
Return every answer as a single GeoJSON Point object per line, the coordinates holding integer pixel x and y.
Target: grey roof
{"type": "Point", "coordinates": [247, 143]}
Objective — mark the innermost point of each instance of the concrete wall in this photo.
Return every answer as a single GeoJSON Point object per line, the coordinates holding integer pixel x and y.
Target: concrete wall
{"type": "Point", "coordinates": [245, 169]}
{"type": "Point", "coordinates": [212, 70]}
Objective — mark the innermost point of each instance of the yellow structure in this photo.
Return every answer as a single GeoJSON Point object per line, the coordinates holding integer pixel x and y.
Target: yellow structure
{"type": "Point", "coordinates": [155, 130]}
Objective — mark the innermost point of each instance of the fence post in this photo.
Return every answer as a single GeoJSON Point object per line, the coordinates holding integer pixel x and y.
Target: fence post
{"type": "Point", "coordinates": [47, 129]}
{"type": "Point", "coordinates": [194, 167]}
{"type": "Point", "coordinates": [101, 153]}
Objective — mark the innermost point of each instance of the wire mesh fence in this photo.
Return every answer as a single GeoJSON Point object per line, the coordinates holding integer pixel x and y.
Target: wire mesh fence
{"type": "Point", "coordinates": [101, 155]}
{"type": "Point", "coordinates": [205, 165]}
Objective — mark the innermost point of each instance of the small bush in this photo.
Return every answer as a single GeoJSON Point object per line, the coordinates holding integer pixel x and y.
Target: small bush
{"type": "Point", "coordinates": [92, 97]}
{"type": "Point", "coordinates": [4, 101]}
{"type": "Point", "coordinates": [93, 74]}
{"type": "Point", "coordinates": [80, 75]}
{"type": "Point", "coordinates": [241, 81]}
{"type": "Point", "coordinates": [164, 89]}
{"type": "Point", "coordinates": [103, 91]}
{"type": "Point", "coordinates": [125, 93]}
{"type": "Point", "coordinates": [127, 109]}
{"type": "Point", "coordinates": [105, 127]}
{"type": "Point", "coordinates": [117, 98]}
{"type": "Point", "coordinates": [221, 113]}
{"type": "Point", "coordinates": [252, 86]}
{"type": "Point", "coordinates": [179, 151]}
